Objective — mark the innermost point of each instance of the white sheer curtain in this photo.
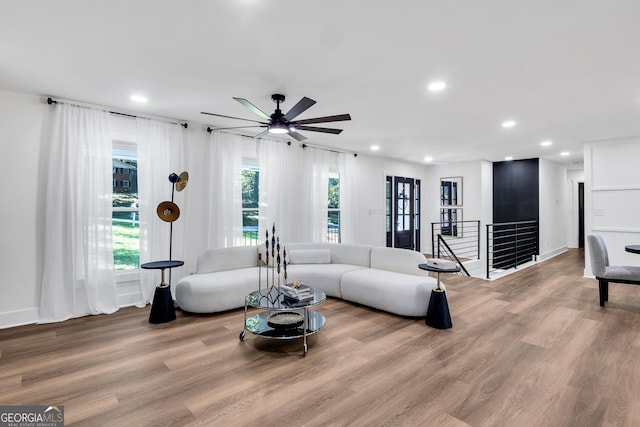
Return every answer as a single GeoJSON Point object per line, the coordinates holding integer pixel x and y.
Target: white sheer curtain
{"type": "Point", "coordinates": [319, 165]}
{"type": "Point", "coordinates": [224, 190]}
{"type": "Point", "coordinates": [279, 194]}
{"type": "Point", "coordinates": [161, 151]}
{"type": "Point", "coordinates": [346, 164]}
{"type": "Point", "coordinates": [78, 276]}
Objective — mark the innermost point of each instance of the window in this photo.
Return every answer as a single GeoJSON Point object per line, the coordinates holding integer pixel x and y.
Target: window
{"type": "Point", "coordinates": [250, 184]}
{"type": "Point", "coordinates": [125, 216]}
{"type": "Point", "coordinates": [333, 217]}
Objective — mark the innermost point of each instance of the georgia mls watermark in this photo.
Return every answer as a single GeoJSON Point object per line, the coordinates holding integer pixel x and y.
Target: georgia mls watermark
{"type": "Point", "coordinates": [31, 416]}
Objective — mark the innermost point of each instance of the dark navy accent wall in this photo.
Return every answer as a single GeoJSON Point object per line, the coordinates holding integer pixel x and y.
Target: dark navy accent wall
{"type": "Point", "coordinates": [516, 191]}
{"type": "Point", "coordinates": [516, 187]}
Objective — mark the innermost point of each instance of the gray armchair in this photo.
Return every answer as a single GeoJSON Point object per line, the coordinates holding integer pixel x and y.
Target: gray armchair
{"type": "Point", "coordinates": [606, 273]}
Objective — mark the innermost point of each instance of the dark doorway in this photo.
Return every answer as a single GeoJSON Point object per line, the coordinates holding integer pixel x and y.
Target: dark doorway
{"type": "Point", "coordinates": [403, 212]}
{"type": "Point", "coordinates": [581, 214]}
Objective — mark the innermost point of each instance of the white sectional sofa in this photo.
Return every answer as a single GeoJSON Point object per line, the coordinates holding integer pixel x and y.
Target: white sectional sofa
{"type": "Point", "coordinates": [383, 278]}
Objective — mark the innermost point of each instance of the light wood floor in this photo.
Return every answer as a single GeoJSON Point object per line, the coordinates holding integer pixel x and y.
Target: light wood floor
{"type": "Point", "coordinates": [530, 349]}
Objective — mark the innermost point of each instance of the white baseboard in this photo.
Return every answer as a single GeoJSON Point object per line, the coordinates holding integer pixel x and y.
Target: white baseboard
{"type": "Point", "coordinates": [553, 253]}
{"type": "Point", "coordinates": [11, 319]}
{"type": "Point", "coordinates": [127, 300]}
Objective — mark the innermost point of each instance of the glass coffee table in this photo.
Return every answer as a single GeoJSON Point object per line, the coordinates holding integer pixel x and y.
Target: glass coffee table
{"type": "Point", "coordinates": [279, 319]}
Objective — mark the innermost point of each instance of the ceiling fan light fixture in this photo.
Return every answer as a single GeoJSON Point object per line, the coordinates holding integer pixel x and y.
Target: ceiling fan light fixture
{"type": "Point", "coordinates": [278, 128]}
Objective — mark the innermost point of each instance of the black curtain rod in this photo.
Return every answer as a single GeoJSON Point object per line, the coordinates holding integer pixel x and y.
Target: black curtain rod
{"type": "Point", "coordinates": [333, 150]}
{"type": "Point", "coordinates": [53, 101]}
{"type": "Point", "coordinates": [210, 129]}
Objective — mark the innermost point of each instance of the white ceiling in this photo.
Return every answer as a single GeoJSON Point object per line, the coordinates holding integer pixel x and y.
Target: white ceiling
{"type": "Point", "coordinates": [566, 71]}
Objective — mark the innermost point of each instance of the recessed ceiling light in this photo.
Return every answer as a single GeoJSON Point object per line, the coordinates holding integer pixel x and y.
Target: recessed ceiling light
{"type": "Point", "coordinates": [436, 86]}
{"type": "Point", "coordinates": [428, 158]}
{"type": "Point", "coordinates": [375, 147]}
{"type": "Point", "coordinates": [565, 153]}
{"type": "Point", "coordinates": [508, 124]}
{"type": "Point", "coordinates": [138, 98]}
{"type": "Point", "coordinates": [546, 143]}
{"type": "Point", "coordinates": [508, 158]}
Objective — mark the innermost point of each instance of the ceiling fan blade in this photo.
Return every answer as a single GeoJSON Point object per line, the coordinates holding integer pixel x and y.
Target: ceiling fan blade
{"type": "Point", "coordinates": [299, 108]}
{"type": "Point", "coordinates": [253, 108]}
{"type": "Point", "coordinates": [317, 129]}
{"type": "Point", "coordinates": [231, 117]}
{"type": "Point", "coordinates": [297, 136]}
{"type": "Point", "coordinates": [261, 134]}
{"type": "Point", "coordinates": [336, 118]}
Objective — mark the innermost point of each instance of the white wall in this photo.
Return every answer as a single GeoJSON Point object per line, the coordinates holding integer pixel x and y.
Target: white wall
{"type": "Point", "coordinates": [21, 216]}
{"type": "Point", "coordinates": [370, 196]}
{"type": "Point", "coordinates": [612, 197]}
{"type": "Point", "coordinates": [476, 189]}
{"type": "Point", "coordinates": [553, 207]}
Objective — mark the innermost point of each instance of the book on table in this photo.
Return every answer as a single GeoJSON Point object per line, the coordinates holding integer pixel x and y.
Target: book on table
{"type": "Point", "coordinates": [301, 293]}
{"type": "Point", "coordinates": [297, 294]}
{"type": "Point", "coordinates": [300, 298]}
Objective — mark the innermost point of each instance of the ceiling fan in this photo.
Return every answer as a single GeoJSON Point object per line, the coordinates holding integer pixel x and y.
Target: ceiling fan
{"type": "Point", "coordinates": [279, 123]}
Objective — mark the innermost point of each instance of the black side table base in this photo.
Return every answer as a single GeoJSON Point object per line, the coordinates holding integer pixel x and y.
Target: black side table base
{"type": "Point", "coordinates": [438, 315]}
{"type": "Point", "coordinates": [163, 309]}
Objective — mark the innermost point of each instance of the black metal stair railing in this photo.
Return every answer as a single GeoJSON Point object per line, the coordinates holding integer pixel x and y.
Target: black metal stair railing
{"type": "Point", "coordinates": [458, 241]}
{"type": "Point", "coordinates": [510, 244]}
{"type": "Point", "coordinates": [444, 251]}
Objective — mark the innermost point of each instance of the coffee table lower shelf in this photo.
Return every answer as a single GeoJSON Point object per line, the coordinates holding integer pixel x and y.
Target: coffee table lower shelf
{"type": "Point", "coordinates": [258, 325]}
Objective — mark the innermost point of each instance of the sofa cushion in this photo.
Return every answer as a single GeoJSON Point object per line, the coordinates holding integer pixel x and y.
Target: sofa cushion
{"type": "Point", "coordinates": [398, 293]}
{"type": "Point", "coordinates": [223, 259]}
{"type": "Point", "coordinates": [341, 253]}
{"type": "Point", "coordinates": [325, 277]}
{"type": "Point", "coordinates": [309, 256]}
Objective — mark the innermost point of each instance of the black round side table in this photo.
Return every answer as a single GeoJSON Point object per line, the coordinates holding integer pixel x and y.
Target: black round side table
{"type": "Point", "coordinates": [162, 309]}
{"type": "Point", "coordinates": [438, 315]}
{"type": "Point", "coordinates": [634, 249]}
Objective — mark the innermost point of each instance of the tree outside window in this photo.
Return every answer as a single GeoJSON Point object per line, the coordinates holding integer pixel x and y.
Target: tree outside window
{"type": "Point", "coordinates": [250, 185]}
{"type": "Point", "coordinates": [333, 217]}
{"type": "Point", "coordinates": [125, 215]}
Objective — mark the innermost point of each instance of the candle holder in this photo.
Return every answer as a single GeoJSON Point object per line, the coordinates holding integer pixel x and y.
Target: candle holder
{"type": "Point", "coordinates": [275, 262]}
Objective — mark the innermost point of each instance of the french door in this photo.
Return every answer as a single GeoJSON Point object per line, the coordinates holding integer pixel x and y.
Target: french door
{"type": "Point", "coordinates": [403, 212]}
